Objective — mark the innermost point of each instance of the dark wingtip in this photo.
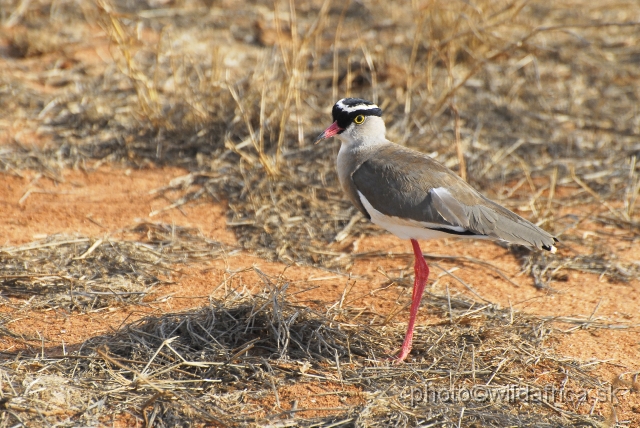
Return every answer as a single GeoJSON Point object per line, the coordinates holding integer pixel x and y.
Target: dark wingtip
{"type": "Point", "coordinates": [551, 248]}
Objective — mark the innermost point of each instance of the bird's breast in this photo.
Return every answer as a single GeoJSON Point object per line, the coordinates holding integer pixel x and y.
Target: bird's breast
{"type": "Point", "coordinates": [344, 166]}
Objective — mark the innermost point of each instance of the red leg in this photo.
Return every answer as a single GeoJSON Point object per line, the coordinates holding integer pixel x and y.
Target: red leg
{"type": "Point", "coordinates": [422, 274]}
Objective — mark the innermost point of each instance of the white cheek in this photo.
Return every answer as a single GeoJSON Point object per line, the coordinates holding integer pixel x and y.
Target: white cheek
{"type": "Point", "coordinates": [348, 135]}
{"type": "Point", "coordinates": [355, 132]}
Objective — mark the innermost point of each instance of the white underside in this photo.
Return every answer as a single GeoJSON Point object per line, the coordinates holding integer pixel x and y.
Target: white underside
{"type": "Point", "coordinates": [412, 229]}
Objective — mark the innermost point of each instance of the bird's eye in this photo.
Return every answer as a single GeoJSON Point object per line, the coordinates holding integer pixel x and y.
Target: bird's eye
{"type": "Point", "coordinates": [359, 119]}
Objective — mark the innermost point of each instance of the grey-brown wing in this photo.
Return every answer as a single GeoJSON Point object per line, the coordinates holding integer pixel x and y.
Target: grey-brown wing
{"type": "Point", "coordinates": [416, 192]}
{"type": "Point", "coordinates": [403, 183]}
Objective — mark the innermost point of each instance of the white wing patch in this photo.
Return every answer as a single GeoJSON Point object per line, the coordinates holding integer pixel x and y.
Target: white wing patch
{"type": "Point", "coordinates": [412, 229]}
{"type": "Point", "coordinates": [449, 207]}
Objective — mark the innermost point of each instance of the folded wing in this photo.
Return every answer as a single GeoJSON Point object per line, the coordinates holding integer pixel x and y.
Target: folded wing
{"type": "Point", "coordinates": [428, 194]}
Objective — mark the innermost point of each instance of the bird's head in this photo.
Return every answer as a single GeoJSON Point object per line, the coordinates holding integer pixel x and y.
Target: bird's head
{"type": "Point", "coordinates": [355, 120]}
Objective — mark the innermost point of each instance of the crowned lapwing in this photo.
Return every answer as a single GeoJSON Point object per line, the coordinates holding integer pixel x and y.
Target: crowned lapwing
{"type": "Point", "coordinates": [415, 197]}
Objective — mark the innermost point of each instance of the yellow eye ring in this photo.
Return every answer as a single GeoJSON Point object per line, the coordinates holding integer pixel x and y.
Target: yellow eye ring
{"type": "Point", "coordinates": [359, 119]}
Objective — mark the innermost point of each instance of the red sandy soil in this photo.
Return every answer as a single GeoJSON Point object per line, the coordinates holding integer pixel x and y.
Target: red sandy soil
{"type": "Point", "coordinates": [104, 202]}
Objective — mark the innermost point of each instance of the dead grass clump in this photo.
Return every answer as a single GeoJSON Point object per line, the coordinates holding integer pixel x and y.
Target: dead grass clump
{"type": "Point", "coordinates": [232, 362]}
{"type": "Point", "coordinates": [545, 269]}
{"type": "Point", "coordinates": [78, 273]}
{"type": "Point", "coordinates": [266, 325]}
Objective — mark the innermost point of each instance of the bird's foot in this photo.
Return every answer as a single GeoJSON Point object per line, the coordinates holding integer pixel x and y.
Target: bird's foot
{"type": "Point", "coordinates": [405, 350]}
{"type": "Point", "coordinates": [396, 356]}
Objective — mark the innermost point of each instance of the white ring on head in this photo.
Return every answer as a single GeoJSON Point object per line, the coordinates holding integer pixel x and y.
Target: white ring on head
{"type": "Point", "coordinates": [356, 107]}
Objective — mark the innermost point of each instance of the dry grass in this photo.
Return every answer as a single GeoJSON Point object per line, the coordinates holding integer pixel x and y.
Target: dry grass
{"type": "Point", "coordinates": [527, 98]}
{"type": "Point", "coordinates": [79, 273]}
{"type": "Point", "coordinates": [226, 365]}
